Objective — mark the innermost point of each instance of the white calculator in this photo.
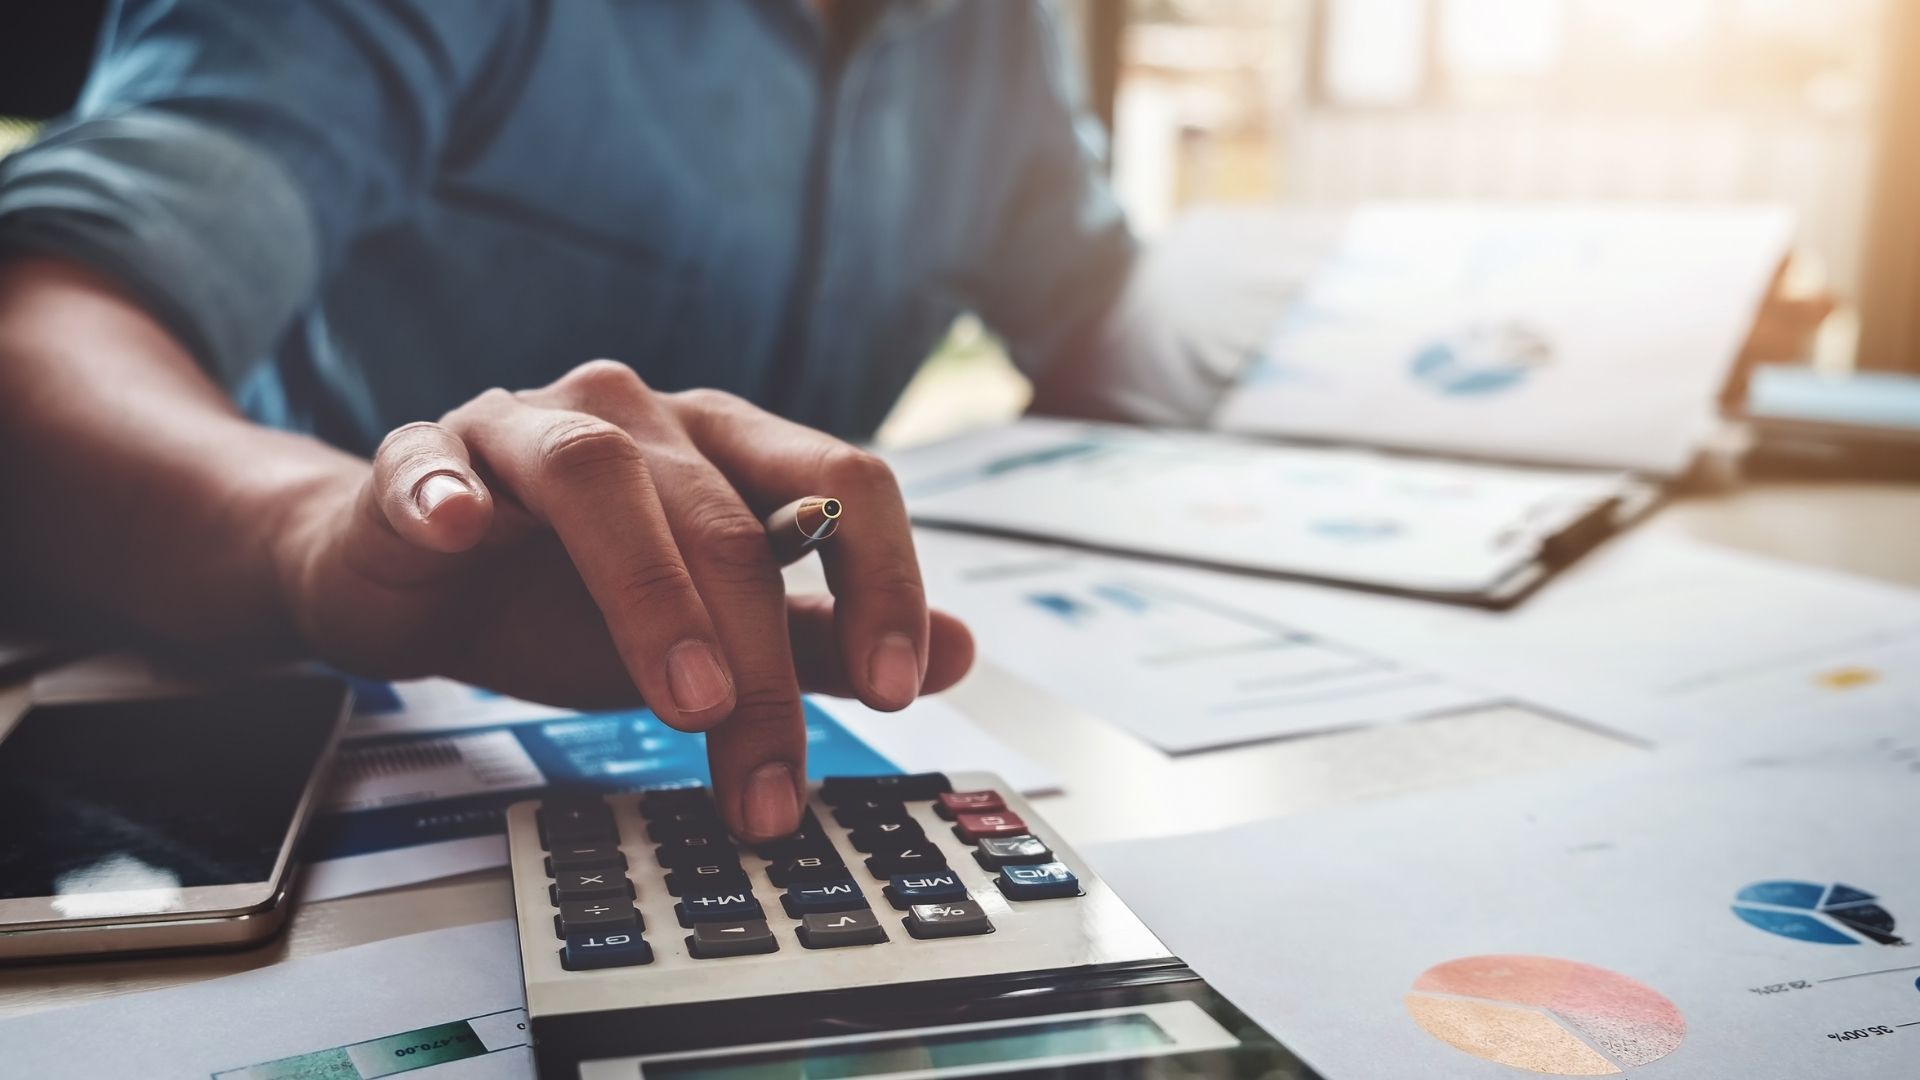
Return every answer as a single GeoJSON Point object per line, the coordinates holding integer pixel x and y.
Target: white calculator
{"type": "Point", "coordinates": [917, 926]}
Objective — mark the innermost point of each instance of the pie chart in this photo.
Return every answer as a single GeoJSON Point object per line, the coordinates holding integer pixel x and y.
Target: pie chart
{"type": "Point", "coordinates": [1809, 911]}
{"type": "Point", "coordinates": [1482, 359]}
{"type": "Point", "coordinates": [1558, 1017]}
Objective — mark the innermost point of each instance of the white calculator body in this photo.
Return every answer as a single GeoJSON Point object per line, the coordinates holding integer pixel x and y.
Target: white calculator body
{"type": "Point", "coordinates": [917, 926]}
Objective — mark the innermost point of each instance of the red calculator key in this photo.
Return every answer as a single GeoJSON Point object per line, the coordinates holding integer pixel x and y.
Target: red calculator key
{"type": "Point", "coordinates": [972, 827]}
{"type": "Point", "coordinates": [969, 802]}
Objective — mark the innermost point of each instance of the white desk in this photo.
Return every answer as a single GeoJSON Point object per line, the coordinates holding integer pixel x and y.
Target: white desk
{"type": "Point", "coordinates": [1117, 786]}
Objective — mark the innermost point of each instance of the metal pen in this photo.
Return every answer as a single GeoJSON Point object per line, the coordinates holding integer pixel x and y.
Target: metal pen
{"type": "Point", "coordinates": [801, 525]}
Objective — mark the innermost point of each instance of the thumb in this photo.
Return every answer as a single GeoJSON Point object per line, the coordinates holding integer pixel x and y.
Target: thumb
{"type": "Point", "coordinates": [422, 503]}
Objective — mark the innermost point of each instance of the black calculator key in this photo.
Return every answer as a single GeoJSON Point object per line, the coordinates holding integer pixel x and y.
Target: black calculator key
{"type": "Point", "coordinates": [807, 869]}
{"type": "Point", "coordinates": [584, 952]}
{"type": "Point", "coordinates": [666, 828]}
{"type": "Point", "coordinates": [693, 850]}
{"type": "Point", "coordinates": [590, 884]}
{"type": "Point", "coordinates": [576, 823]}
{"type": "Point", "coordinates": [808, 839]}
{"type": "Point", "coordinates": [955, 918]}
{"type": "Point", "coordinates": [583, 856]}
{"type": "Point", "coordinates": [589, 916]}
{"type": "Point", "coordinates": [1038, 882]}
{"type": "Point", "coordinates": [663, 801]}
{"type": "Point", "coordinates": [859, 812]}
{"type": "Point", "coordinates": [732, 905]}
{"type": "Point", "coordinates": [840, 895]}
{"type": "Point", "coordinates": [906, 890]}
{"type": "Point", "coordinates": [839, 790]}
{"type": "Point", "coordinates": [706, 877]}
{"type": "Point", "coordinates": [918, 859]}
{"type": "Point", "coordinates": [887, 836]}
{"type": "Point", "coordinates": [837, 929]}
{"type": "Point", "coordinates": [998, 851]}
{"type": "Point", "coordinates": [712, 940]}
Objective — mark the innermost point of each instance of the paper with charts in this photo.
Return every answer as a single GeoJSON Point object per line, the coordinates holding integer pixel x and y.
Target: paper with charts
{"type": "Point", "coordinates": [1683, 917]}
{"type": "Point", "coordinates": [445, 1005]}
{"type": "Point", "coordinates": [1580, 335]}
{"type": "Point", "coordinates": [1351, 516]}
{"type": "Point", "coordinates": [1130, 644]}
{"type": "Point", "coordinates": [1652, 635]}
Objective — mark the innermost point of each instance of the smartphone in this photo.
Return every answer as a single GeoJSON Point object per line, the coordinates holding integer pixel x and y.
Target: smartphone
{"type": "Point", "coordinates": [168, 822]}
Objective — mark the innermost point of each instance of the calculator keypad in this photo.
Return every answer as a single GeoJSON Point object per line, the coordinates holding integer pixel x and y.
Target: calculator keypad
{"type": "Point", "coordinates": [715, 889]}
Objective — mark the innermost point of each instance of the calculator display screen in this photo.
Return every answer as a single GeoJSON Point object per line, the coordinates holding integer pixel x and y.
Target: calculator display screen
{"type": "Point", "coordinates": [150, 797]}
{"type": "Point", "coordinates": [965, 1049]}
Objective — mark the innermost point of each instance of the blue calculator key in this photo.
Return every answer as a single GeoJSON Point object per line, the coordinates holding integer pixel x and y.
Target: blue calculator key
{"type": "Point", "coordinates": [842, 895]}
{"type": "Point", "coordinates": [1038, 882]}
{"type": "Point", "coordinates": [584, 952]}
{"type": "Point", "coordinates": [906, 890]}
{"type": "Point", "coordinates": [737, 905]}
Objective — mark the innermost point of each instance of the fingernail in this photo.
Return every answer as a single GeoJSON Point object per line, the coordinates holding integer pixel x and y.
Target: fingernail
{"type": "Point", "coordinates": [437, 489]}
{"type": "Point", "coordinates": [893, 670]}
{"type": "Point", "coordinates": [695, 676]}
{"type": "Point", "coordinates": [772, 807]}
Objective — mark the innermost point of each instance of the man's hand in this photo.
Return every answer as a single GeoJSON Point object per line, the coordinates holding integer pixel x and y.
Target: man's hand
{"type": "Point", "coordinates": [578, 541]}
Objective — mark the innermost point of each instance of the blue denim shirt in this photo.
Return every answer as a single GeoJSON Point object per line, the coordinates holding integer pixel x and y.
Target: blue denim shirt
{"type": "Point", "coordinates": [362, 212]}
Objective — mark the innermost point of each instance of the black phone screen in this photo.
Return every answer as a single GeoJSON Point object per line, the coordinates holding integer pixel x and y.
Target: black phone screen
{"type": "Point", "coordinates": [159, 793]}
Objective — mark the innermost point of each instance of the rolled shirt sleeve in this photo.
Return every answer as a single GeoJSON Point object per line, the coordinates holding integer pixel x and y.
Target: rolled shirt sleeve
{"type": "Point", "coordinates": [1105, 330]}
{"type": "Point", "coordinates": [1061, 251]}
{"type": "Point", "coordinates": [209, 233]}
{"type": "Point", "coordinates": [225, 156]}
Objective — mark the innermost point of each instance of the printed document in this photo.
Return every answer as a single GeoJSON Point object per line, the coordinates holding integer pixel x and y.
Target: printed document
{"type": "Point", "coordinates": [1575, 335]}
{"type": "Point", "coordinates": [1350, 516]}
{"type": "Point", "coordinates": [445, 1005]}
{"type": "Point", "coordinates": [1742, 913]}
{"type": "Point", "coordinates": [1185, 671]}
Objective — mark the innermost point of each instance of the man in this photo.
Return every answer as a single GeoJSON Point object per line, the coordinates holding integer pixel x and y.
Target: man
{"type": "Point", "coordinates": [276, 237]}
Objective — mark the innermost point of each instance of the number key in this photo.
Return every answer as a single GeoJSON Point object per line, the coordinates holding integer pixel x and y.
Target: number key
{"type": "Point", "coordinates": [839, 790]}
{"type": "Point", "coordinates": [694, 850]}
{"type": "Point", "coordinates": [807, 869]}
{"type": "Point", "coordinates": [918, 859]}
{"type": "Point", "coordinates": [706, 877]}
{"type": "Point", "coordinates": [858, 812]}
{"type": "Point", "coordinates": [886, 836]}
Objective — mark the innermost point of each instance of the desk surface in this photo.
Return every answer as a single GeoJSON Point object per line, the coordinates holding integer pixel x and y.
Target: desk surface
{"type": "Point", "coordinates": [1117, 786]}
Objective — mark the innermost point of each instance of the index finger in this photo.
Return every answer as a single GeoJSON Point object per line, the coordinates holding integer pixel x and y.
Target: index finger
{"type": "Point", "coordinates": [881, 609]}
{"type": "Point", "coordinates": [587, 479]}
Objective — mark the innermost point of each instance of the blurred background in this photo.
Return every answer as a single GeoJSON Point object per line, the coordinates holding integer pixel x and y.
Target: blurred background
{"type": "Point", "coordinates": [1322, 104]}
